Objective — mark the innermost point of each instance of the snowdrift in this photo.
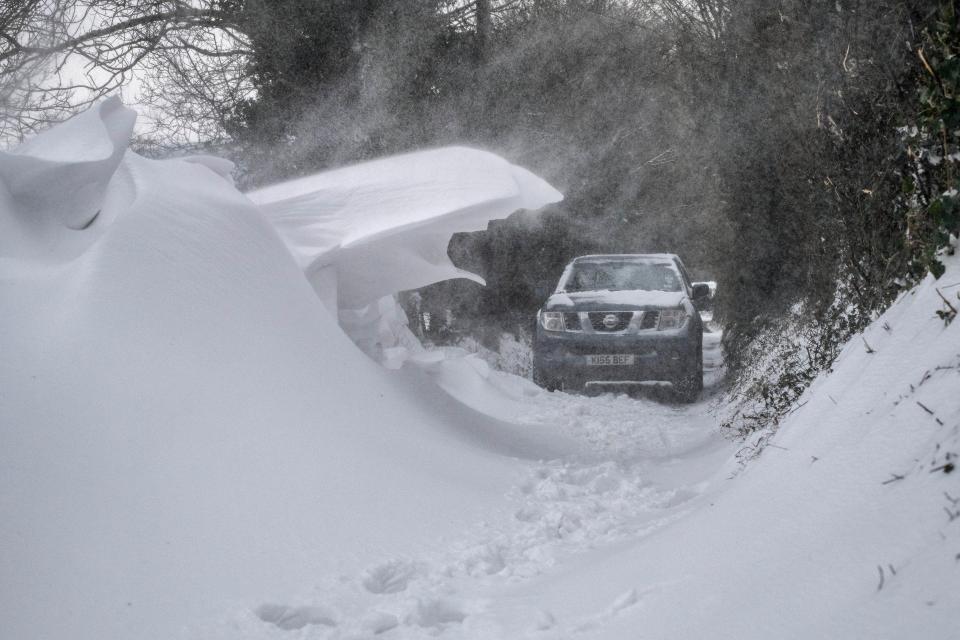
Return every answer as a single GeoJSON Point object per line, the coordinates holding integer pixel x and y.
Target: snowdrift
{"type": "Point", "coordinates": [185, 430]}
{"type": "Point", "coordinates": [365, 232]}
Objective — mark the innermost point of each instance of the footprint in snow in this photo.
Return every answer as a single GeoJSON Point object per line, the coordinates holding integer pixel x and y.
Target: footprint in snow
{"type": "Point", "coordinates": [291, 618]}
{"type": "Point", "coordinates": [436, 613]}
{"type": "Point", "coordinates": [544, 620]}
{"type": "Point", "coordinates": [389, 577]}
{"type": "Point", "coordinates": [377, 622]}
{"type": "Point", "coordinates": [486, 559]}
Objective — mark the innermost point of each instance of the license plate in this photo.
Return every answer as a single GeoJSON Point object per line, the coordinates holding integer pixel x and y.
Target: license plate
{"type": "Point", "coordinates": [611, 359]}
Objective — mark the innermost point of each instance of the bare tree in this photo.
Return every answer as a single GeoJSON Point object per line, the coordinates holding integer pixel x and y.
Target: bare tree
{"type": "Point", "coordinates": [703, 17]}
{"type": "Point", "coordinates": [192, 91]}
{"type": "Point", "coordinates": [186, 60]}
{"type": "Point", "coordinates": [58, 56]}
{"type": "Point", "coordinates": [29, 26]}
{"type": "Point", "coordinates": [483, 27]}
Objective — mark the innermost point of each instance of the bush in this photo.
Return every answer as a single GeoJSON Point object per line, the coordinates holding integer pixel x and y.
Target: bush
{"type": "Point", "coordinates": [878, 208]}
{"type": "Point", "coordinates": [781, 362]}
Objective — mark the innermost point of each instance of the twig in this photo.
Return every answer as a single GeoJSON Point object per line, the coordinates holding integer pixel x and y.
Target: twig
{"type": "Point", "coordinates": [947, 316]}
{"type": "Point", "coordinates": [880, 586]}
{"type": "Point", "coordinates": [926, 65]}
{"type": "Point", "coordinates": [945, 301]}
{"type": "Point", "coordinates": [867, 344]}
{"type": "Point", "coordinates": [799, 406]}
{"type": "Point", "coordinates": [893, 478]}
{"type": "Point", "coordinates": [924, 407]}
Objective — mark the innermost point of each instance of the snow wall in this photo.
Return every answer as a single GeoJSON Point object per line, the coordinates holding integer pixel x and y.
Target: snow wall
{"type": "Point", "coordinates": [185, 430]}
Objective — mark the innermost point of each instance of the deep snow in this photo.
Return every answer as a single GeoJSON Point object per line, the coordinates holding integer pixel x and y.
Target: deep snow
{"type": "Point", "coordinates": [186, 431]}
{"type": "Point", "coordinates": [192, 446]}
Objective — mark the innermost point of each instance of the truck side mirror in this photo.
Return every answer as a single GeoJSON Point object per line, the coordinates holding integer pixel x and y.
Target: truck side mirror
{"type": "Point", "coordinates": [701, 291]}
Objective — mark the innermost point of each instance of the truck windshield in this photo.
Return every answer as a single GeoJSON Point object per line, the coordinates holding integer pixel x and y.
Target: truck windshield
{"type": "Point", "coordinates": [622, 276]}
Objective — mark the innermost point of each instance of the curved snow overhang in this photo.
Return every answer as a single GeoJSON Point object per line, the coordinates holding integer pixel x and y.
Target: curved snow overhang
{"type": "Point", "coordinates": [54, 185]}
{"type": "Point", "coordinates": [384, 226]}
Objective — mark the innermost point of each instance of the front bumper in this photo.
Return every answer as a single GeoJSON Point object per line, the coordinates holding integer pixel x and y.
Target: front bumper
{"type": "Point", "coordinates": [561, 357]}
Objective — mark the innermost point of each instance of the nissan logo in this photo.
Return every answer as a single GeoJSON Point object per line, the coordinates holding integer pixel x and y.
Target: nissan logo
{"type": "Point", "coordinates": [610, 321]}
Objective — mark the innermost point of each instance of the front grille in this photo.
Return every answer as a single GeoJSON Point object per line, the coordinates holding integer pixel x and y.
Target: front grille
{"type": "Point", "coordinates": [620, 320]}
{"type": "Point", "coordinates": [577, 349]}
{"type": "Point", "coordinates": [571, 321]}
{"type": "Point", "coordinates": [650, 320]}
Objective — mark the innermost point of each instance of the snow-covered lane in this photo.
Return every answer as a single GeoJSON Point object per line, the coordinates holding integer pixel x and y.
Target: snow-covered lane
{"type": "Point", "coordinates": [846, 527]}
{"type": "Point", "coordinates": [641, 464]}
{"type": "Point", "coordinates": [619, 427]}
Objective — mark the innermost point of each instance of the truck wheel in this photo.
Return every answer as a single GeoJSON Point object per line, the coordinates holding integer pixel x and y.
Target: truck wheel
{"type": "Point", "coordinates": [688, 388]}
{"type": "Point", "coordinates": [543, 381]}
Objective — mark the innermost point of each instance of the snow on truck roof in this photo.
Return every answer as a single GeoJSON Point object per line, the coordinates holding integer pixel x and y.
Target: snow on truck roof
{"type": "Point", "coordinates": [603, 257]}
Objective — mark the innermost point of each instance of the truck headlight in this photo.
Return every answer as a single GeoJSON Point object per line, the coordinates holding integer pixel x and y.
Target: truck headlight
{"type": "Point", "coordinates": [551, 320]}
{"type": "Point", "coordinates": [672, 319]}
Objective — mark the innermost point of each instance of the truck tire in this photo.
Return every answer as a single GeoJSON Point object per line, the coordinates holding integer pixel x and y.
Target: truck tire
{"type": "Point", "coordinates": [543, 381]}
{"type": "Point", "coordinates": [688, 387]}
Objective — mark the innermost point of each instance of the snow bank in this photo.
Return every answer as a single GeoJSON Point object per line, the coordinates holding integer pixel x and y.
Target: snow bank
{"type": "Point", "coordinates": [185, 431]}
{"type": "Point", "coordinates": [848, 526]}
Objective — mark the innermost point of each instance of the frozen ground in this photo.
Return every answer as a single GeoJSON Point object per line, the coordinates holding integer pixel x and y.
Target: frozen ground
{"type": "Point", "coordinates": [193, 443]}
